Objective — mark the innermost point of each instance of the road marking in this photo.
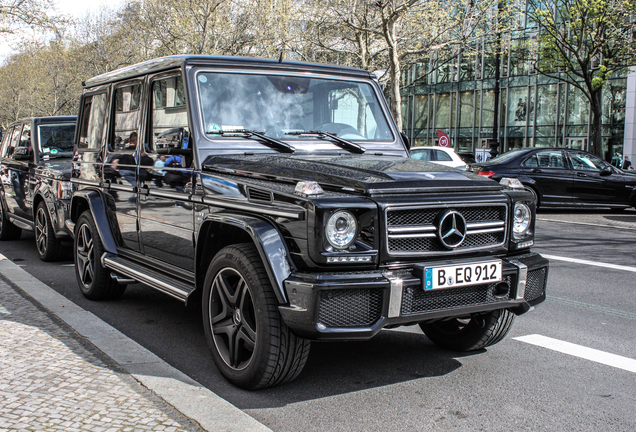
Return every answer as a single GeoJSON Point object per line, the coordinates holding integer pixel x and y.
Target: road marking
{"type": "Point", "coordinates": [591, 354]}
{"type": "Point", "coordinates": [611, 311]}
{"type": "Point", "coordinates": [4, 310]}
{"type": "Point", "coordinates": [592, 263]}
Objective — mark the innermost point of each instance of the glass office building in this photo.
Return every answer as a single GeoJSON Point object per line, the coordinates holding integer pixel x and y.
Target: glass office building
{"type": "Point", "coordinates": [535, 111]}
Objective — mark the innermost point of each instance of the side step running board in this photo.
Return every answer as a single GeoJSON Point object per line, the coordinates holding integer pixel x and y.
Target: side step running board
{"type": "Point", "coordinates": [160, 281]}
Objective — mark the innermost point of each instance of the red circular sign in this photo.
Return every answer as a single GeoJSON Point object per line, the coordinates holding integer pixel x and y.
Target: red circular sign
{"type": "Point", "coordinates": [443, 141]}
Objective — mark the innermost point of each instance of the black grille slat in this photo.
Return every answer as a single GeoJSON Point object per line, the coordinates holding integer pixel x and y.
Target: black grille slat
{"type": "Point", "coordinates": [426, 219]}
{"type": "Point", "coordinates": [417, 300]}
{"type": "Point", "coordinates": [350, 307]}
{"type": "Point", "coordinates": [535, 284]}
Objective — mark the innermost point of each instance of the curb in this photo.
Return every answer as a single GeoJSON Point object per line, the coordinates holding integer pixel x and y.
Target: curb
{"type": "Point", "coordinates": [194, 401]}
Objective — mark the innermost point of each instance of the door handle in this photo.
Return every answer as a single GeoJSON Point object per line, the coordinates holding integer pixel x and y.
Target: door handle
{"type": "Point", "coordinates": [579, 174]}
{"type": "Point", "coordinates": [537, 170]}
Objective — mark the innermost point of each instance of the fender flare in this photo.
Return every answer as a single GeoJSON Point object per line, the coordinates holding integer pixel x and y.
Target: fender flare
{"type": "Point", "coordinates": [97, 208]}
{"type": "Point", "coordinates": [270, 246]}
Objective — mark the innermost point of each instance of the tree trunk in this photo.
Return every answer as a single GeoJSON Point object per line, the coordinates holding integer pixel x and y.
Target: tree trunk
{"type": "Point", "coordinates": [597, 120]}
{"type": "Point", "coordinates": [395, 71]}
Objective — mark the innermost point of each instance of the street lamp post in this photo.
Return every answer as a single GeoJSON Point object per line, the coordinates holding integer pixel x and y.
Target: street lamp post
{"type": "Point", "coordinates": [494, 142]}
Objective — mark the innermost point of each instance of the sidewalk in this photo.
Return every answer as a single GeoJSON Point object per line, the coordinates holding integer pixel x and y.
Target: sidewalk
{"type": "Point", "coordinates": [63, 369]}
{"type": "Point", "coordinates": [625, 219]}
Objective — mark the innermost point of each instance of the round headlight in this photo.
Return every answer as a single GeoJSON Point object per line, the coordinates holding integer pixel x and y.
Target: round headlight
{"type": "Point", "coordinates": [522, 218]}
{"type": "Point", "coordinates": [341, 229]}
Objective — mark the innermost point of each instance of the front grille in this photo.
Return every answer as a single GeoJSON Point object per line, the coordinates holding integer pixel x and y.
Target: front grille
{"type": "Point", "coordinates": [535, 284]}
{"type": "Point", "coordinates": [350, 307]}
{"type": "Point", "coordinates": [416, 300]}
{"type": "Point", "coordinates": [413, 232]}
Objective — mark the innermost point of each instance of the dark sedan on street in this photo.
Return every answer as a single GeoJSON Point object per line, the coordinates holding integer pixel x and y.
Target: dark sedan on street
{"type": "Point", "coordinates": [565, 177]}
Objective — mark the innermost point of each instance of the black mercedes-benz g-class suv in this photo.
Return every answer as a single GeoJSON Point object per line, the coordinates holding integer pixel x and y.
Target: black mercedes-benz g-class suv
{"type": "Point", "coordinates": [35, 165]}
{"type": "Point", "coordinates": [280, 197]}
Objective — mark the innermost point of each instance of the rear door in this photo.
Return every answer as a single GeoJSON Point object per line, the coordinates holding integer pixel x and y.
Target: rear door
{"type": "Point", "coordinates": [19, 157]}
{"type": "Point", "coordinates": [552, 175]}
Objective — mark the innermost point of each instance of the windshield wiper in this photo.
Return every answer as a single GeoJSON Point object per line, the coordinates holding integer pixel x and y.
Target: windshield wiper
{"type": "Point", "coordinates": [246, 133]}
{"type": "Point", "coordinates": [342, 143]}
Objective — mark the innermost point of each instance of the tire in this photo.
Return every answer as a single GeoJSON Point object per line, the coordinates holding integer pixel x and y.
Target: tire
{"type": "Point", "coordinates": [250, 344]}
{"type": "Point", "coordinates": [8, 231]}
{"type": "Point", "coordinates": [475, 333]}
{"type": "Point", "coordinates": [48, 246]}
{"type": "Point", "coordinates": [93, 279]}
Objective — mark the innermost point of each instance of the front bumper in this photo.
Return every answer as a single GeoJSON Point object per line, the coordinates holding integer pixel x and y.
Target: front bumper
{"type": "Point", "coordinates": [358, 305]}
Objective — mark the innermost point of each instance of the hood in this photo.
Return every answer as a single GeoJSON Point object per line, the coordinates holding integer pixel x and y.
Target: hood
{"type": "Point", "coordinates": [57, 168]}
{"type": "Point", "coordinates": [365, 174]}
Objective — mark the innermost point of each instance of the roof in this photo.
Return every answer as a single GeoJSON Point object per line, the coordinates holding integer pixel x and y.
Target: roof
{"type": "Point", "coordinates": [172, 62]}
{"type": "Point", "coordinates": [50, 119]}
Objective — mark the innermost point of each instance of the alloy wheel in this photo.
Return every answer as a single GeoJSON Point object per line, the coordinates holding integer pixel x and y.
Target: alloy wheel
{"type": "Point", "coordinates": [232, 318]}
{"type": "Point", "coordinates": [85, 260]}
{"type": "Point", "coordinates": [41, 231]}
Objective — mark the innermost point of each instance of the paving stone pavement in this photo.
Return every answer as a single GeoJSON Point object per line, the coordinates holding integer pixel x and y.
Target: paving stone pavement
{"type": "Point", "coordinates": [53, 379]}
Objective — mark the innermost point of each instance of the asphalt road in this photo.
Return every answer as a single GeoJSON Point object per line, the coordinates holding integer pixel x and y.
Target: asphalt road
{"type": "Point", "coordinates": [400, 381]}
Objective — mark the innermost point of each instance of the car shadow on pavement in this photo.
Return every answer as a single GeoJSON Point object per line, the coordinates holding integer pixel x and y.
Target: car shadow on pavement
{"type": "Point", "coordinates": [336, 368]}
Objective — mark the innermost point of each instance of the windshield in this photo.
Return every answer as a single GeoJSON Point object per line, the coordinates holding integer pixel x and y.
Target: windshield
{"type": "Point", "coordinates": [56, 140]}
{"type": "Point", "coordinates": [279, 105]}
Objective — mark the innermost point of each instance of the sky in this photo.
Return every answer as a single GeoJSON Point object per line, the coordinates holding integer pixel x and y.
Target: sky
{"type": "Point", "coordinates": [74, 8]}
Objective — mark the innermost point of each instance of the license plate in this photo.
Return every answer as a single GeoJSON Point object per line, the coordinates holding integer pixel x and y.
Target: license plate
{"type": "Point", "coordinates": [448, 276]}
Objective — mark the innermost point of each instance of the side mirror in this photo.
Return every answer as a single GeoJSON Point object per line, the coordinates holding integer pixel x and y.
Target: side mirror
{"type": "Point", "coordinates": [406, 141]}
{"type": "Point", "coordinates": [608, 170]}
{"type": "Point", "coordinates": [173, 142]}
{"type": "Point", "coordinates": [23, 153]}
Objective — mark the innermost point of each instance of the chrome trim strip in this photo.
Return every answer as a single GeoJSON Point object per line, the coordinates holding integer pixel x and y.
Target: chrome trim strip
{"type": "Point", "coordinates": [162, 286]}
{"type": "Point", "coordinates": [169, 195]}
{"type": "Point", "coordinates": [521, 279]}
{"type": "Point", "coordinates": [401, 236]}
{"type": "Point", "coordinates": [478, 225]}
{"type": "Point", "coordinates": [484, 231]}
{"type": "Point", "coordinates": [395, 297]}
{"type": "Point", "coordinates": [122, 188]}
{"type": "Point", "coordinates": [262, 209]}
{"type": "Point", "coordinates": [411, 229]}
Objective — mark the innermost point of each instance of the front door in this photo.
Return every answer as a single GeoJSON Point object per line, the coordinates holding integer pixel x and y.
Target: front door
{"type": "Point", "coordinates": [166, 214]}
{"type": "Point", "coordinates": [593, 187]}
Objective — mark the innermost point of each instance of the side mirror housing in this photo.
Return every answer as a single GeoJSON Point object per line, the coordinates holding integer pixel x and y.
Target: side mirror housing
{"type": "Point", "coordinates": [406, 140]}
{"type": "Point", "coordinates": [23, 153]}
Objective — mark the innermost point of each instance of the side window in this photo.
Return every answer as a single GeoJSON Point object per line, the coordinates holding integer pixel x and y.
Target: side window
{"type": "Point", "coordinates": [15, 139]}
{"type": "Point", "coordinates": [93, 119]}
{"type": "Point", "coordinates": [442, 156]}
{"type": "Point", "coordinates": [25, 137]}
{"type": "Point", "coordinates": [531, 162]}
{"type": "Point", "coordinates": [125, 121]}
{"type": "Point", "coordinates": [586, 162]}
{"type": "Point", "coordinates": [6, 139]}
{"type": "Point", "coordinates": [168, 111]}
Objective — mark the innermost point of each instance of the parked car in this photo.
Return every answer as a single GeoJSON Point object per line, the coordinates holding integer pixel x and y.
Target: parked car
{"type": "Point", "coordinates": [280, 197]}
{"type": "Point", "coordinates": [564, 177]}
{"type": "Point", "coordinates": [440, 155]}
{"type": "Point", "coordinates": [35, 165]}
{"type": "Point", "coordinates": [467, 157]}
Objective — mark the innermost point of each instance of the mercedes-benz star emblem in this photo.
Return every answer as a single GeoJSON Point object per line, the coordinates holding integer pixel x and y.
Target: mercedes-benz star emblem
{"type": "Point", "coordinates": [451, 229]}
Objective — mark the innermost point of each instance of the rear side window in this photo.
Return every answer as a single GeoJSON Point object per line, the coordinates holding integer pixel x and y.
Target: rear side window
{"type": "Point", "coordinates": [6, 139]}
{"type": "Point", "coordinates": [126, 119]}
{"type": "Point", "coordinates": [546, 159]}
{"type": "Point", "coordinates": [443, 156]}
{"type": "Point", "coordinates": [93, 119]}
{"type": "Point", "coordinates": [15, 139]}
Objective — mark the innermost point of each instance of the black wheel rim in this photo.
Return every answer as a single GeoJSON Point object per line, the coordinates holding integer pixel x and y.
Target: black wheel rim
{"type": "Point", "coordinates": [85, 261]}
{"type": "Point", "coordinates": [41, 231]}
{"type": "Point", "coordinates": [232, 318]}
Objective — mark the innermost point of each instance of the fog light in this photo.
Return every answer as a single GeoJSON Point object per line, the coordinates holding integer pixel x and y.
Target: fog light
{"type": "Point", "coordinates": [350, 259]}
